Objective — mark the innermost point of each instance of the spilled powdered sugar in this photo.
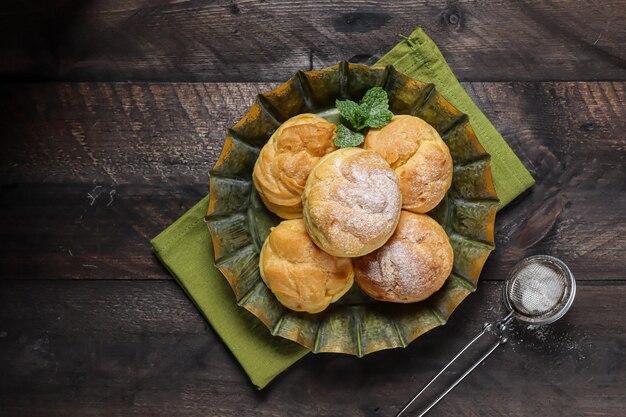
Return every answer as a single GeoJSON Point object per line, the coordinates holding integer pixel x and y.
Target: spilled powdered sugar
{"type": "Point", "coordinates": [556, 338]}
{"type": "Point", "coordinates": [562, 337]}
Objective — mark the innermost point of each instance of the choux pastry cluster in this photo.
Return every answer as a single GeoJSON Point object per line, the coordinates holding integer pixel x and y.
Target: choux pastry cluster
{"type": "Point", "coordinates": [354, 214]}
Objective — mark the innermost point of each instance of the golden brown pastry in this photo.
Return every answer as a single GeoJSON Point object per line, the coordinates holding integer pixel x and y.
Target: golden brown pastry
{"type": "Point", "coordinates": [352, 202]}
{"type": "Point", "coordinates": [301, 275]}
{"type": "Point", "coordinates": [419, 156]}
{"type": "Point", "coordinates": [411, 266]}
{"type": "Point", "coordinates": [286, 160]}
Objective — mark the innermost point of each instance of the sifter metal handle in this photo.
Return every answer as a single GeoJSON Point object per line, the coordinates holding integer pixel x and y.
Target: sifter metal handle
{"type": "Point", "coordinates": [501, 340]}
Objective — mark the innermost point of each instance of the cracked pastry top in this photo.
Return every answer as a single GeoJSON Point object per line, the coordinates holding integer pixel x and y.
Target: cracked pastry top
{"type": "Point", "coordinates": [419, 157]}
{"type": "Point", "coordinates": [284, 163]}
{"type": "Point", "coordinates": [301, 275]}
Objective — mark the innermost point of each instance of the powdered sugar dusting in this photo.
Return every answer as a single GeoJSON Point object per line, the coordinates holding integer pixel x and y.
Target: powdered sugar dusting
{"type": "Point", "coordinates": [397, 268]}
{"type": "Point", "coordinates": [354, 201]}
{"type": "Point", "coordinates": [407, 269]}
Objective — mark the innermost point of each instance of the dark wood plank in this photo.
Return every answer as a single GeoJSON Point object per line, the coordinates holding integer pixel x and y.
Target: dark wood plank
{"type": "Point", "coordinates": [117, 133]}
{"type": "Point", "coordinates": [140, 348]}
{"type": "Point", "coordinates": [89, 172]}
{"type": "Point", "coordinates": [268, 41]}
{"type": "Point", "coordinates": [88, 231]}
{"type": "Point", "coordinates": [572, 137]}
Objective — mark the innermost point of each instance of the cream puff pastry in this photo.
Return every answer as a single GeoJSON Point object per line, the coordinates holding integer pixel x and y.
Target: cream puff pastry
{"type": "Point", "coordinates": [420, 158]}
{"type": "Point", "coordinates": [286, 160]}
{"type": "Point", "coordinates": [301, 275]}
{"type": "Point", "coordinates": [411, 266]}
{"type": "Point", "coordinates": [352, 202]}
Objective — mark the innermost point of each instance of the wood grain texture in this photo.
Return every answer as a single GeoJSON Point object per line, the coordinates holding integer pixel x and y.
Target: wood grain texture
{"type": "Point", "coordinates": [89, 172]}
{"type": "Point", "coordinates": [140, 348]}
{"type": "Point", "coordinates": [251, 40]}
{"type": "Point", "coordinates": [93, 231]}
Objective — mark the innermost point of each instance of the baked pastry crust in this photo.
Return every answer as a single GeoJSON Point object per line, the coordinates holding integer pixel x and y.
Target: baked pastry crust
{"type": "Point", "coordinates": [411, 266]}
{"type": "Point", "coordinates": [301, 275]}
{"type": "Point", "coordinates": [286, 160]}
{"type": "Point", "coordinates": [419, 156]}
{"type": "Point", "coordinates": [352, 202]}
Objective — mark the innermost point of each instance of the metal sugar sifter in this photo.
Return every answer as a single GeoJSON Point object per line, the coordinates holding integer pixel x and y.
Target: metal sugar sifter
{"type": "Point", "coordinates": [539, 290]}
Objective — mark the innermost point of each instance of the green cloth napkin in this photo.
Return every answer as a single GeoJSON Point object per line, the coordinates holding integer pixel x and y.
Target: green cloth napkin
{"type": "Point", "coordinates": [186, 250]}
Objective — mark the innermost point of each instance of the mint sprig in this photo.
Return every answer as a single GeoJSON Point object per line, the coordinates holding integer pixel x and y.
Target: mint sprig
{"type": "Point", "coordinates": [347, 138]}
{"type": "Point", "coordinates": [372, 111]}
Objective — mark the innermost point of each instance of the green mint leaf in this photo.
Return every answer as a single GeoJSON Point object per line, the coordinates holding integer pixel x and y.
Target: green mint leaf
{"type": "Point", "coordinates": [379, 119]}
{"type": "Point", "coordinates": [347, 138]}
{"type": "Point", "coordinates": [348, 110]}
{"type": "Point", "coordinates": [376, 99]}
{"type": "Point", "coordinates": [353, 113]}
{"type": "Point", "coordinates": [360, 121]}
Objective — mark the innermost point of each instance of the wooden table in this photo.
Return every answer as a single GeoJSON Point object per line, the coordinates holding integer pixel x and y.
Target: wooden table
{"type": "Point", "coordinates": [113, 112]}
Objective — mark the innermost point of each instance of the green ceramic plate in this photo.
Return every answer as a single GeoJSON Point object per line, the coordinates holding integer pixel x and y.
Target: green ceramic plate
{"type": "Point", "coordinates": [239, 222]}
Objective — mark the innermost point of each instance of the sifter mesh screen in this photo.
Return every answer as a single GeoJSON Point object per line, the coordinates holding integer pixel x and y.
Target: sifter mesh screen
{"type": "Point", "coordinates": [537, 288]}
